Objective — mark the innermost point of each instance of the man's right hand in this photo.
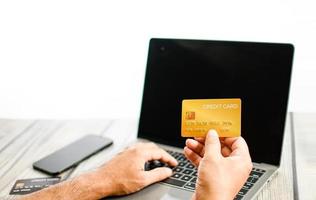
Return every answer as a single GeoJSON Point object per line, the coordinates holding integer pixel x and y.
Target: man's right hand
{"type": "Point", "coordinates": [126, 173]}
{"type": "Point", "coordinates": [223, 165]}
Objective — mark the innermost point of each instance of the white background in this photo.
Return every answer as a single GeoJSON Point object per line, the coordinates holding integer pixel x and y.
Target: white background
{"type": "Point", "coordinates": [86, 59]}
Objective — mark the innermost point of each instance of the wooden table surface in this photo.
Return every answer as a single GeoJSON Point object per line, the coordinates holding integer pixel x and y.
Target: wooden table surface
{"type": "Point", "coordinates": [304, 142]}
{"type": "Point", "coordinates": [24, 141]}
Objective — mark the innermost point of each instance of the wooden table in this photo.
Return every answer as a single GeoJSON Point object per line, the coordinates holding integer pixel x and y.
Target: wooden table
{"type": "Point", "coordinates": [24, 141]}
{"type": "Point", "coordinates": [304, 143]}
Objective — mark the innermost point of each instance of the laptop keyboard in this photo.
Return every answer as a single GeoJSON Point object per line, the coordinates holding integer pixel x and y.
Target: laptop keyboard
{"type": "Point", "coordinates": [254, 176]}
{"type": "Point", "coordinates": [185, 174]}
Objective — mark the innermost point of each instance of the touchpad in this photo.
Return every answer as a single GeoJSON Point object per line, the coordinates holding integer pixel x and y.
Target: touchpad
{"type": "Point", "coordinates": [159, 191]}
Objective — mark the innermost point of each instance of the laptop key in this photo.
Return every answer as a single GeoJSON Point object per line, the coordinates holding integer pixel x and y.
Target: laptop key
{"type": "Point", "coordinates": [178, 169]}
{"type": "Point", "coordinates": [249, 179]}
{"type": "Point", "coordinates": [187, 171]}
{"type": "Point", "coordinates": [153, 164]}
{"type": "Point", "coordinates": [176, 175]}
{"type": "Point", "coordinates": [242, 192]}
{"type": "Point", "coordinates": [254, 180]}
{"type": "Point", "coordinates": [175, 182]}
{"type": "Point", "coordinates": [185, 161]}
{"type": "Point", "coordinates": [247, 186]}
{"type": "Point", "coordinates": [256, 174]}
{"type": "Point", "coordinates": [262, 170]}
{"type": "Point", "coordinates": [190, 166]}
{"type": "Point", "coordinates": [181, 158]}
{"type": "Point", "coordinates": [190, 185]}
{"type": "Point", "coordinates": [259, 170]}
{"type": "Point", "coordinates": [238, 197]}
{"type": "Point", "coordinates": [186, 178]}
{"type": "Point", "coordinates": [181, 164]}
{"type": "Point", "coordinates": [193, 180]}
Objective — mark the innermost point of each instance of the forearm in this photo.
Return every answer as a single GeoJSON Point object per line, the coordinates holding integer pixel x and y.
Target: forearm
{"type": "Point", "coordinates": [86, 186]}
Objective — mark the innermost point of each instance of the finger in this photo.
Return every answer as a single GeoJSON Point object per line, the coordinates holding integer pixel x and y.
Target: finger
{"type": "Point", "coordinates": [200, 140]}
{"type": "Point", "coordinates": [222, 144]}
{"type": "Point", "coordinates": [195, 146]}
{"type": "Point", "coordinates": [226, 151]}
{"type": "Point", "coordinates": [193, 196]}
{"type": "Point", "coordinates": [157, 174]}
{"type": "Point", "coordinates": [149, 145]}
{"type": "Point", "coordinates": [192, 156]}
{"type": "Point", "coordinates": [156, 153]}
{"type": "Point", "coordinates": [229, 141]}
{"type": "Point", "coordinates": [212, 145]}
{"type": "Point", "coordinates": [238, 146]}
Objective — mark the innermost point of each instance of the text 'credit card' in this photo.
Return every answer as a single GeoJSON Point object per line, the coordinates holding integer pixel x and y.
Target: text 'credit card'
{"type": "Point", "coordinates": [201, 115]}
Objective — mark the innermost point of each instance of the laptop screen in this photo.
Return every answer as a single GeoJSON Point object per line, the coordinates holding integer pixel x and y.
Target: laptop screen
{"type": "Point", "coordinates": [257, 73]}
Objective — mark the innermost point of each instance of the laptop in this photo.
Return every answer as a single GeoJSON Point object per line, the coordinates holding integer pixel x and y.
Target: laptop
{"type": "Point", "coordinates": [257, 73]}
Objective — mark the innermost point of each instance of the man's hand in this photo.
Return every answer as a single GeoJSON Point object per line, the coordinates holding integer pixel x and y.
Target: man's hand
{"type": "Point", "coordinates": [126, 171]}
{"type": "Point", "coordinates": [223, 165]}
{"type": "Point", "coordinates": [124, 174]}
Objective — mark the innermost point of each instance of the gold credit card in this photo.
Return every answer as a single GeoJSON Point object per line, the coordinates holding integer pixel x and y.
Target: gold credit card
{"type": "Point", "coordinates": [201, 115]}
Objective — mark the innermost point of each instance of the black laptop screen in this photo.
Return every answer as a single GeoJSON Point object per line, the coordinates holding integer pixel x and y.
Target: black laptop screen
{"type": "Point", "coordinates": [257, 73]}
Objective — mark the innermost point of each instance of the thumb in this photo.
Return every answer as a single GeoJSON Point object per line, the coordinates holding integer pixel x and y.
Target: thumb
{"type": "Point", "coordinates": [157, 174]}
{"type": "Point", "coordinates": [193, 196]}
{"type": "Point", "coordinates": [212, 145]}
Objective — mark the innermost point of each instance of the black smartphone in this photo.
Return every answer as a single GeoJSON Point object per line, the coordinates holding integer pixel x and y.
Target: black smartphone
{"type": "Point", "coordinates": [72, 154]}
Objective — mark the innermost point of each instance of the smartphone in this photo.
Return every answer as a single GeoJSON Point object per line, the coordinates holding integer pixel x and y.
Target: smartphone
{"type": "Point", "coordinates": [72, 154]}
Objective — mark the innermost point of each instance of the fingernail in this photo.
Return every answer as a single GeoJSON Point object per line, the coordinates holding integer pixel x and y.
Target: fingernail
{"type": "Point", "coordinates": [212, 133]}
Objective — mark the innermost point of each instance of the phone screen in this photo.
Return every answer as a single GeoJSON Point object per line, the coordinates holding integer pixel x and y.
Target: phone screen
{"type": "Point", "coordinates": [72, 154]}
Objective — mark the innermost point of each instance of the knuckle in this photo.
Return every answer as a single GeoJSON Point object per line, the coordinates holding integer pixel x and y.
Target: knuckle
{"type": "Point", "coordinates": [138, 151]}
{"type": "Point", "coordinates": [135, 150]}
{"type": "Point", "coordinates": [151, 144]}
{"type": "Point", "coordinates": [134, 146]}
{"type": "Point", "coordinates": [140, 144]}
{"type": "Point", "coordinates": [129, 150]}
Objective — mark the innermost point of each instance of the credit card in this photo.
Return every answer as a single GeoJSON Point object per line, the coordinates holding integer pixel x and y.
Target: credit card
{"type": "Point", "coordinates": [201, 115]}
{"type": "Point", "coordinates": [26, 186]}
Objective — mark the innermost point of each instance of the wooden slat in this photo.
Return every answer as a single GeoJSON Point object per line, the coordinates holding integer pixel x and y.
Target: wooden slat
{"type": "Point", "coordinates": [281, 186]}
{"type": "Point", "coordinates": [21, 153]}
{"type": "Point", "coordinates": [305, 151]}
{"type": "Point", "coordinates": [10, 130]}
{"type": "Point", "coordinates": [42, 139]}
